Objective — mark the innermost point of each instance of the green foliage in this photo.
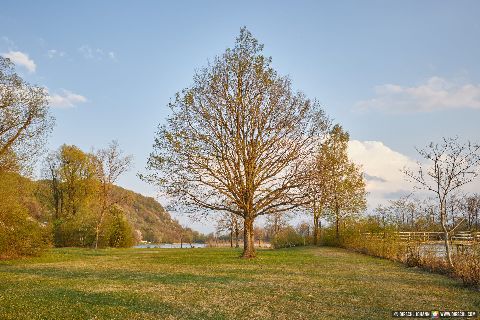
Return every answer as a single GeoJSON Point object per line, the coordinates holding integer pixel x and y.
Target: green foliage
{"type": "Point", "coordinates": [336, 186]}
{"type": "Point", "coordinates": [71, 196]}
{"type": "Point", "coordinates": [20, 234]}
{"type": "Point", "coordinates": [288, 237]}
{"type": "Point", "coordinates": [75, 231]}
{"type": "Point", "coordinates": [119, 232]}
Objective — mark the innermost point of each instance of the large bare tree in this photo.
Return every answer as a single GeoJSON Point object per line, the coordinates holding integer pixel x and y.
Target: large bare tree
{"type": "Point", "coordinates": [24, 118]}
{"type": "Point", "coordinates": [238, 135]}
{"type": "Point", "coordinates": [450, 165]}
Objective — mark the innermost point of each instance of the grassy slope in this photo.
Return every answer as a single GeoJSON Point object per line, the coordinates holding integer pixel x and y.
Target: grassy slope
{"type": "Point", "coordinates": [305, 283]}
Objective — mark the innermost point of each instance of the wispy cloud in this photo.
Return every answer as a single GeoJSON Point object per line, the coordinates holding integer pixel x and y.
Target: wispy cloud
{"type": "Point", "coordinates": [8, 43]}
{"type": "Point", "coordinates": [65, 99]}
{"type": "Point", "coordinates": [112, 55]}
{"type": "Point", "coordinates": [89, 52]}
{"type": "Point", "coordinates": [52, 53]}
{"type": "Point", "coordinates": [435, 94]}
{"type": "Point", "coordinates": [21, 59]}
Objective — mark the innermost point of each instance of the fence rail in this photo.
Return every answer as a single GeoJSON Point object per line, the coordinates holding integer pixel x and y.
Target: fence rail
{"type": "Point", "coordinates": [426, 236]}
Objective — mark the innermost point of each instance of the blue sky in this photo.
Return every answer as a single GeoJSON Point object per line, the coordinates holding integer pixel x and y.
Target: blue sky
{"type": "Point", "coordinates": [395, 74]}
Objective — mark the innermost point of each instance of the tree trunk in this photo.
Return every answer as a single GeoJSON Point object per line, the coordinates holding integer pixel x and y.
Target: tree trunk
{"type": "Point", "coordinates": [237, 244]}
{"type": "Point", "coordinates": [231, 238]}
{"type": "Point", "coordinates": [248, 239]}
{"type": "Point", "coordinates": [448, 250]}
{"type": "Point", "coordinates": [97, 232]}
{"type": "Point", "coordinates": [315, 230]}
{"type": "Point", "coordinates": [97, 228]}
{"type": "Point", "coordinates": [337, 226]}
{"type": "Point", "coordinates": [476, 219]}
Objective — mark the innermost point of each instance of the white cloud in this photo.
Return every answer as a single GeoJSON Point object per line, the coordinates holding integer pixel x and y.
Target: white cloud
{"type": "Point", "coordinates": [112, 55]}
{"type": "Point", "coordinates": [86, 51]}
{"type": "Point", "coordinates": [21, 59]}
{"type": "Point", "coordinates": [436, 93]}
{"type": "Point", "coordinates": [65, 99]}
{"type": "Point", "coordinates": [96, 53]}
{"type": "Point", "coordinates": [52, 53]}
{"type": "Point", "coordinates": [383, 169]}
{"type": "Point", "coordinates": [8, 42]}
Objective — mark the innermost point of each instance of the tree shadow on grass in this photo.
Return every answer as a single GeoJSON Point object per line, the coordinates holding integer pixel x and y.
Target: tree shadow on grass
{"type": "Point", "coordinates": [122, 276]}
{"type": "Point", "coordinates": [76, 304]}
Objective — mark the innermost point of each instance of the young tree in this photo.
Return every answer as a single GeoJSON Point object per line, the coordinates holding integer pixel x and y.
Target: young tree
{"type": "Point", "coordinates": [230, 222]}
{"type": "Point", "coordinates": [275, 223]}
{"type": "Point", "coordinates": [471, 206]}
{"type": "Point", "coordinates": [239, 134]}
{"type": "Point", "coordinates": [336, 186]}
{"type": "Point", "coordinates": [451, 165]}
{"type": "Point", "coordinates": [303, 229]}
{"type": "Point", "coordinates": [119, 233]}
{"type": "Point", "coordinates": [110, 164]}
{"type": "Point", "coordinates": [24, 118]}
{"type": "Point", "coordinates": [318, 187]}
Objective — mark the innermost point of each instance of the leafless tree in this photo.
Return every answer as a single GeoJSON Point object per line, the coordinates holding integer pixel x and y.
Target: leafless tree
{"type": "Point", "coordinates": [471, 205]}
{"type": "Point", "coordinates": [110, 165]}
{"type": "Point", "coordinates": [276, 222]}
{"type": "Point", "coordinates": [25, 121]}
{"type": "Point", "coordinates": [451, 165]}
{"type": "Point", "coordinates": [239, 134]}
{"type": "Point", "coordinates": [230, 222]}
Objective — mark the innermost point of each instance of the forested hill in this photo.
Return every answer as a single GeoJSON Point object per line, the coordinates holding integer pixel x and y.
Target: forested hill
{"type": "Point", "coordinates": [150, 218]}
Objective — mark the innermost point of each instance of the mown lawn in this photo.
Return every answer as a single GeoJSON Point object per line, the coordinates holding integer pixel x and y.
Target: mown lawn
{"type": "Point", "coordinates": [300, 283]}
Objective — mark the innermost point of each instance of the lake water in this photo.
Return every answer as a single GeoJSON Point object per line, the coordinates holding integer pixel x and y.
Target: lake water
{"type": "Point", "coordinates": [170, 245]}
{"type": "Point", "coordinates": [438, 250]}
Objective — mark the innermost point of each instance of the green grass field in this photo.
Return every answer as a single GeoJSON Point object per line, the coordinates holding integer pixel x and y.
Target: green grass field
{"type": "Point", "coordinates": [300, 283]}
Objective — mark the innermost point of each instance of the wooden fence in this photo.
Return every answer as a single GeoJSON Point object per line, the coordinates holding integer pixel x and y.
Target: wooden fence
{"type": "Point", "coordinates": [426, 236]}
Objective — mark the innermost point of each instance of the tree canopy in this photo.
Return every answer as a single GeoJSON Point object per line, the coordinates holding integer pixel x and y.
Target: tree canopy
{"type": "Point", "coordinates": [237, 139]}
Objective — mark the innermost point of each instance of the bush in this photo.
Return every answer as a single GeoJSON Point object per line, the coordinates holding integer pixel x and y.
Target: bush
{"type": "Point", "coordinates": [74, 231]}
{"type": "Point", "coordinates": [288, 237]}
{"type": "Point", "coordinates": [467, 266]}
{"type": "Point", "coordinates": [119, 232]}
{"type": "Point", "coordinates": [20, 234]}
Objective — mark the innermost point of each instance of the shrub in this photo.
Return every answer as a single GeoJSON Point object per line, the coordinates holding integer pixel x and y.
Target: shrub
{"type": "Point", "coordinates": [288, 237]}
{"type": "Point", "coordinates": [74, 231]}
{"type": "Point", "coordinates": [365, 237]}
{"type": "Point", "coordinates": [20, 234]}
{"type": "Point", "coordinates": [467, 266]}
{"type": "Point", "coordinates": [119, 232]}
